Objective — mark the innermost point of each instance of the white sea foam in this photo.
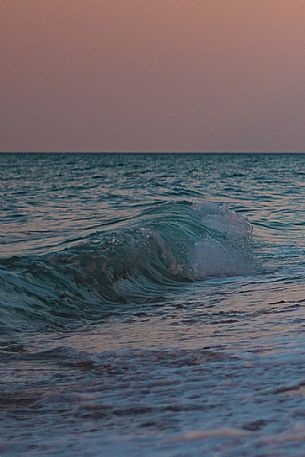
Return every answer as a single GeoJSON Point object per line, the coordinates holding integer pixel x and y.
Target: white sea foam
{"type": "Point", "coordinates": [229, 254]}
{"type": "Point", "coordinates": [212, 258]}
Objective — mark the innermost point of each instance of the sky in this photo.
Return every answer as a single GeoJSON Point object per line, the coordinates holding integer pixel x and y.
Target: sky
{"type": "Point", "coordinates": [153, 75]}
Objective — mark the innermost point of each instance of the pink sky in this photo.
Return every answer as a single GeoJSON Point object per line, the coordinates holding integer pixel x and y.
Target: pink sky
{"type": "Point", "coordinates": [153, 75]}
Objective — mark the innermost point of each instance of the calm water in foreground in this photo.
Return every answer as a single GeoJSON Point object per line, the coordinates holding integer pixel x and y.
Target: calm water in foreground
{"type": "Point", "coordinates": [152, 305]}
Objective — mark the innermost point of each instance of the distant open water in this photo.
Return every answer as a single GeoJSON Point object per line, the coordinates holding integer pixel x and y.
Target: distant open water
{"type": "Point", "coordinates": [152, 304]}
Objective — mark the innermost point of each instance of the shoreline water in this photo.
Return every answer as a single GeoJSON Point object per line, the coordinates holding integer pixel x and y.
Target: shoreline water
{"type": "Point", "coordinates": [202, 365]}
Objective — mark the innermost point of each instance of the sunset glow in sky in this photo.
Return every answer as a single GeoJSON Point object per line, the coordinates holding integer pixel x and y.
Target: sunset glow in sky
{"type": "Point", "coordinates": [153, 75]}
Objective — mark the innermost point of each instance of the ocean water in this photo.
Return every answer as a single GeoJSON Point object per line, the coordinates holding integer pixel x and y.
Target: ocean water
{"type": "Point", "coordinates": [152, 304]}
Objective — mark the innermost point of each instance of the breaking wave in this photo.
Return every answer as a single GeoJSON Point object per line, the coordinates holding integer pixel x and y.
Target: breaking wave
{"type": "Point", "coordinates": [166, 245]}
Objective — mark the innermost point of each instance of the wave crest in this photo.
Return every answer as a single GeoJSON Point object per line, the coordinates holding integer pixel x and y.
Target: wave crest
{"type": "Point", "coordinates": [170, 244]}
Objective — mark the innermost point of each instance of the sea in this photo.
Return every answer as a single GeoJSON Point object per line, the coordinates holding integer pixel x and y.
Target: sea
{"type": "Point", "coordinates": [152, 305]}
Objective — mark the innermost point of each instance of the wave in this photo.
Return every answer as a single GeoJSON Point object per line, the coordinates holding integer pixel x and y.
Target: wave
{"type": "Point", "coordinates": [147, 256]}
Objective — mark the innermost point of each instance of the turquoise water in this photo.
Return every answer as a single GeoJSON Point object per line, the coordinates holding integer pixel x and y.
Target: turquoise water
{"type": "Point", "coordinates": [152, 303]}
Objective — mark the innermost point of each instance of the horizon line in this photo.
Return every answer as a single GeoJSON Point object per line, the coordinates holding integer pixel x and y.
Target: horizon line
{"type": "Point", "coordinates": [152, 152]}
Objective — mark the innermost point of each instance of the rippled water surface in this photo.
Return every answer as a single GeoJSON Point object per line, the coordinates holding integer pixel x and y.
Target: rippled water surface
{"type": "Point", "coordinates": [152, 305]}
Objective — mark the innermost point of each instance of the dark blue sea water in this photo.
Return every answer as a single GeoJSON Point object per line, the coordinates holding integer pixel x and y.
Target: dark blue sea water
{"type": "Point", "coordinates": [152, 304]}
